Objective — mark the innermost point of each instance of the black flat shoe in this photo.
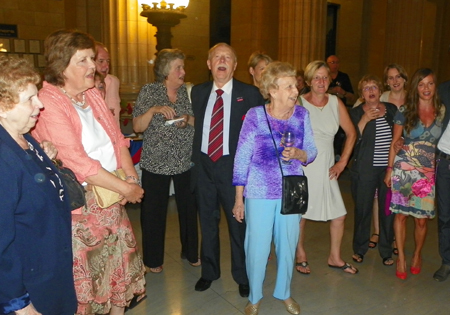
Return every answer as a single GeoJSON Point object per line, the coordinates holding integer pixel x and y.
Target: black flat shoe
{"type": "Point", "coordinates": [442, 273]}
{"type": "Point", "coordinates": [202, 284]}
{"type": "Point", "coordinates": [244, 290]}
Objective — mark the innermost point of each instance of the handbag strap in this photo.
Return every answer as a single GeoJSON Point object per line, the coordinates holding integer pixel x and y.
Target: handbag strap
{"type": "Point", "coordinates": [274, 144]}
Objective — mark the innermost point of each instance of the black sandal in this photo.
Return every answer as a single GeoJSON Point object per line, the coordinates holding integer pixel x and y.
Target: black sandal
{"type": "Point", "coordinates": [358, 258]}
{"type": "Point", "coordinates": [373, 244]}
{"type": "Point", "coordinates": [395, 249]}
{"type": "Point", "coordinates": [388, 261]}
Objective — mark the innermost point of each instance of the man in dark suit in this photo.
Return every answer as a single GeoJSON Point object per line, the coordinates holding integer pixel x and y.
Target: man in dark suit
{"type": "Point", "coordinates": [443, 187]}
{"type": "Point", "coordinates": [219, 109]}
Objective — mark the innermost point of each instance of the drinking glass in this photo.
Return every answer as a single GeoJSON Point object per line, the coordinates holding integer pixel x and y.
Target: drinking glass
{"type": "Point", "coordinates": [288, 140]}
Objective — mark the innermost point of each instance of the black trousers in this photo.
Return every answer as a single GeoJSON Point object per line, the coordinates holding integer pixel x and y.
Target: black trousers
{"type": "Point", "coordinates": [443, 204]}
{"type": "Point", "coordinates": [154, 216]}
{"type": "Point", "coordinates": [213, 189]}
{"type": "Point", "coordinates": [363, 192]}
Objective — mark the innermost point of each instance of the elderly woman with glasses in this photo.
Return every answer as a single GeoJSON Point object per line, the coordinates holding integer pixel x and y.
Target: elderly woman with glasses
{"type": "Point", "coordinates": [395, 78]}
{"type": "Point", "coordinates": [373, 121]}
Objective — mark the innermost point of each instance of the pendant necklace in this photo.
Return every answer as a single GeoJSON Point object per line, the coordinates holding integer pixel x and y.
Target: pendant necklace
{"type": "Point", "coordinates": [320, 108]}
{"type": "Point", "coordinates": [74, 101]}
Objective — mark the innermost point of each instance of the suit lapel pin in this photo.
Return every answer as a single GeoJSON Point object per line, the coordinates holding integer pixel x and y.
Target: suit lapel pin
{"type": "Point", "coordinates": [240, 99]}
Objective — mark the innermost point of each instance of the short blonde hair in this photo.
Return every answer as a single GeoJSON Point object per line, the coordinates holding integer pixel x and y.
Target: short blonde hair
{"type": "Point", "coordinates": [15, 75]}
{"type": "Point", "coordinates": [312, 67]}
{"type": "Point", "coordinates": [256, 57]}
{"type": "Point", "coordinates": [272, 73]}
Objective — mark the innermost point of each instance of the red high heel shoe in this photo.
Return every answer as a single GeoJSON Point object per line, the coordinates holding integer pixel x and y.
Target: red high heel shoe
{"type": "Point", "coordinates": [399, 274]}
{"type": "Point", "coordinates": [416, 270]}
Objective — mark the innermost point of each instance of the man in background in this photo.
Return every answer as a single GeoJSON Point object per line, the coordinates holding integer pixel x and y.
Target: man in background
{"type": "Point", "coordinates": [112, 83]}
{"type": "Point", "coordinates": [340, 82]}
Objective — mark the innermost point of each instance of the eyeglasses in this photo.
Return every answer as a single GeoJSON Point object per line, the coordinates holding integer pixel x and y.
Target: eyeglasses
{"type": "Point", "coordinates": [317, 78]}
{"type": "Point", "coordinates": [333, 62]}
{"type": "Point", "coordinates": [370, 88]}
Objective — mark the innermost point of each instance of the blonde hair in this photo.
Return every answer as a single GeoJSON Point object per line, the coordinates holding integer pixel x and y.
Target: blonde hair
{"type": "Point", "coordinates": [272, 73]}
{"type": "Point", "coordinates": [256, 57]}
{"type": "Point", "coordinates": [312, 67]}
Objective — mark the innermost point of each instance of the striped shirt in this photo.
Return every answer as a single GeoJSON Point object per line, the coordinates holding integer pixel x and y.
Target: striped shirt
{"type": "Point", "coordinates": [383, 139]}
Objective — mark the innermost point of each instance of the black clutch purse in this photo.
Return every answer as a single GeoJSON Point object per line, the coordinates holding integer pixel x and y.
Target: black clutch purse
{"type": "Point", "coordinates": [73, 189]}
{"type": "Point", "coordinates": [294, 199]}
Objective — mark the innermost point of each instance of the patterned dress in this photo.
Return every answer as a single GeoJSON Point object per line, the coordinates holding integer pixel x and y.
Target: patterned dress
{"type": "Point", "coordinates": [107, 266]}
{"type": "Point", "coordinates": [413, 176]}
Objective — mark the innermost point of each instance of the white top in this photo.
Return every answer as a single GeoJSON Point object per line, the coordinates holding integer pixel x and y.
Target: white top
{"type": "Point", "coordinates": [96, 141]}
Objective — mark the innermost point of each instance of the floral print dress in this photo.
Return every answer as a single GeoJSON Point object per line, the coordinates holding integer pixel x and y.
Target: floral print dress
{"type": "Point", "coordinates": [413, 176]}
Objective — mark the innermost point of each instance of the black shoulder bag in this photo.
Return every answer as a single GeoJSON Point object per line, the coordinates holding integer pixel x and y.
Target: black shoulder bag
{"type": "Point", "coordinates": [73, 189]}
{"type": "Point", "coordinates": [294, 198]}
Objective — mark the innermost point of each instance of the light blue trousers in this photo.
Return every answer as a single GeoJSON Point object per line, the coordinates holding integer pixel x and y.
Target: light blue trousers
{"type": "Point", "coordinates": [264, 220]}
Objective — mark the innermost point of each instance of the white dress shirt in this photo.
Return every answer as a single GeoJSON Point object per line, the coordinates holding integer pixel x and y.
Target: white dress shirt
{"type": "Point", "coordinates": [226, 96]}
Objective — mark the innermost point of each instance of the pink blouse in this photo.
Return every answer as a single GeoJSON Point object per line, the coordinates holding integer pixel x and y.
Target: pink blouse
{"type": "Point", "coordinates": [59, 123]}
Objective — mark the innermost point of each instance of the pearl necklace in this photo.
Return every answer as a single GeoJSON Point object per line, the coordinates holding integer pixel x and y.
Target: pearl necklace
{"type": "Point", "coordinates": [74, 101]}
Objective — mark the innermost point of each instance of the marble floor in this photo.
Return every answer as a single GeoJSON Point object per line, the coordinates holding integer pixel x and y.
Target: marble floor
{"type": "Point", "coordinates": [374, 290]}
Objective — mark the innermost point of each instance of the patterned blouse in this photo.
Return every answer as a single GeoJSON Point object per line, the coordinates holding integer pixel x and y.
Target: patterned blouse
{"type": "Point", "coordinates": [166, 150]}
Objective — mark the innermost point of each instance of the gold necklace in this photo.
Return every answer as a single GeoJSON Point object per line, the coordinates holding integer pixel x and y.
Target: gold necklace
{"type": "Point", "coordinates": [284, 116]}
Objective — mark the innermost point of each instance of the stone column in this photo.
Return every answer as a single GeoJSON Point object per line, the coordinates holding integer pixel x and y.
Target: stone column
{"type": "Point", "coordinates": [411, 34]}
{"type": "Point", "coordinates": [302, 31]}
{"type": "Point", "coordinates": [131, 42]}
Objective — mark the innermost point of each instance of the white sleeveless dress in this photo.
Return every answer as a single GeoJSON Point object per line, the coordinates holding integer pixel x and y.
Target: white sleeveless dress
{"type": "Point", "coordinates": [325, 199]}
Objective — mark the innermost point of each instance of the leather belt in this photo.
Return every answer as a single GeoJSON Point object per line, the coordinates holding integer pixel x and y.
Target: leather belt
{"type": "Point", "coordinates": [442, 155]}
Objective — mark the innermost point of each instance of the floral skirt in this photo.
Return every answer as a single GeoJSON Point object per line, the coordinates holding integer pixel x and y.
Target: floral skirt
{"type": "Point", "coordinates": [413, 181]}
{"type": "Point", "coordinates": [108, 269]}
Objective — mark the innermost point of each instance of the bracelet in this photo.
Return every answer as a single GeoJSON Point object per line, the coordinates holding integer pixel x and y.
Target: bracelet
{"type": "Point", "coordinates": [389, 167]}
{"type": "Point", "coordinates": [137, 181]}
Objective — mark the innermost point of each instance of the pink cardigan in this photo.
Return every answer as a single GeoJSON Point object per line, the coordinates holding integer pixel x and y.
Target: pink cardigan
{"type": "Point", "coordinates": [59, 123]}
